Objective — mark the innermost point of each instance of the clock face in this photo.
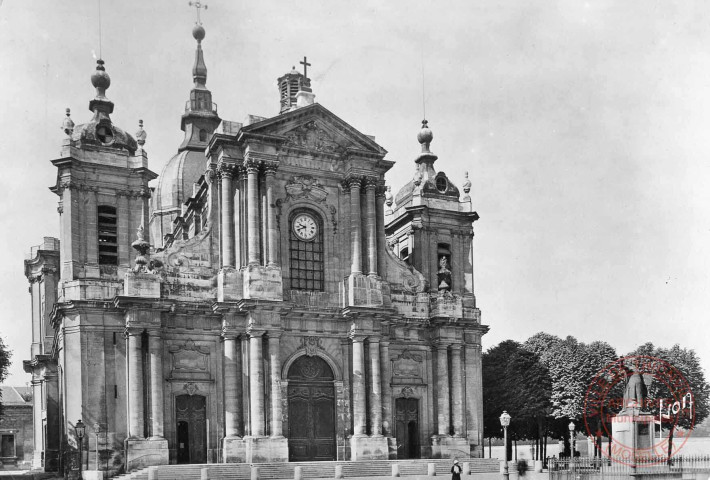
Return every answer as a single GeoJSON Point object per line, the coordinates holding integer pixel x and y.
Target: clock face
{"type": "Point", "coordinates": [305, 226]}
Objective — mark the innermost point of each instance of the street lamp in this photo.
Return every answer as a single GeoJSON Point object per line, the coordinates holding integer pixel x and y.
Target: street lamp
{"type": "Point", "coordinates": [80, 430]}
{"type": "Point", "coordinates": [504, 422]}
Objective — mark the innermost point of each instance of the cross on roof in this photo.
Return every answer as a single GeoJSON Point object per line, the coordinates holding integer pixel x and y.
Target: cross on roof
{"type": "Point", "coordinates": [198, 5]}
{"type": "Point", "coordinates": [305, 66]}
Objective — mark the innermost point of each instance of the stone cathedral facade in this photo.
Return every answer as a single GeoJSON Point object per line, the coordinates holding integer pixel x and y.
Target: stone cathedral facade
{"type": "Point", "coordinates": [266, 299]}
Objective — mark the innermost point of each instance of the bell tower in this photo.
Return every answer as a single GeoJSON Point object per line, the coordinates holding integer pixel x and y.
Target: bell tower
{"type": "Point", "coordinates": [102, 185]}
{"type": "Point", "coordinates": [431, 229]}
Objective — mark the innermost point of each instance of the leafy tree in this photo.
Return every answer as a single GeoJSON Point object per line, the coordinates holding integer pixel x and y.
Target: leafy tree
{"type": "Point", "coordinates": [5, 355]}
{"type": "Point", "coordinates": [496, 395]}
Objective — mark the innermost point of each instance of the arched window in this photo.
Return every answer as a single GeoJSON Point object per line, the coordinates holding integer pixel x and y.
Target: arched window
{"type": "Point", "coordinates": [306, 251]}
{"type": "Point", "coordinates": [108, 235]}
{"type": "Point", "coordinates": [203, 135]}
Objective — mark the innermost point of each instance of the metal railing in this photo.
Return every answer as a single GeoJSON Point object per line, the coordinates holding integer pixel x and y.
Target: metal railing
{"type": "Point", "coordinates": [601, 468]}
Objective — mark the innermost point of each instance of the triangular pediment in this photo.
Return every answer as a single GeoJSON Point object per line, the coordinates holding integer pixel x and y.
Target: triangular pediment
{"type": "Point", "coordinates": [315, 129]}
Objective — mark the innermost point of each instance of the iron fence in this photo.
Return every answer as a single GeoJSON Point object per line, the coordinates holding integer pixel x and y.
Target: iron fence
{"type": "Point", "coordinates": [586, 468]}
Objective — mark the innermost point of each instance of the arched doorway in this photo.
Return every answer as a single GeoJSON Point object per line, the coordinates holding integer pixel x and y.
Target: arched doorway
{"type": "Point", "coordinates": [407, 427]}
{"type": "Point", "coordinates": [311, 410]}
{"type": "Point", "coordinates": [191, 428]}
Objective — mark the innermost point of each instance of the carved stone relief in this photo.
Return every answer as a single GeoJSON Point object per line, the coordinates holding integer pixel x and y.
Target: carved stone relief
{"type": "Point", "coordinates": [189, 358]}
{"type": "Point", "coordinates": [407, 365]}
{"type": "Point", "coordinates": [311, 345]}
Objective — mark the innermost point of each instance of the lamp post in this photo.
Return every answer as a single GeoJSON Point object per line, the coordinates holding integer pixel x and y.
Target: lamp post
{"type": "Point", "coordinates": [571, 446]}
{"type": "Point", "coordinates": [80, 430]}
{"type": "Point", "coordinates": [97, 431]}
{"type": "Point", "coordinates": [504, 422]}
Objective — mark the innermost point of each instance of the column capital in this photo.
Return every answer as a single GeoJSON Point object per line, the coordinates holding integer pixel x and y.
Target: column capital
{"type": "Point", "coordinates": [270, 167]}
{"type": "Point", "coordinates": [440, 345]}
{"type": "Point", "coordinates": [154, 332]}
{"type": "Point", "coordinates": [226, 170]}
{"type": "Point", "coordinates": [370, 183]}
{"type": "Point", "coordinates": [373, 339]}
{"type": "Point", "coordinates": [456, 347]}
{"type": "Point", "coordinates": [255, 333]}
{"type": "Point", "coordinates": [357, 337]}
{"type": "Point", "coordinates": [251, 165]}
{"type": "Point", "coordinates": [352, 183]}
{"type": "Point", "coordinates": [133, 331]}
{"type": "Point", "coordinates": [274, 333]}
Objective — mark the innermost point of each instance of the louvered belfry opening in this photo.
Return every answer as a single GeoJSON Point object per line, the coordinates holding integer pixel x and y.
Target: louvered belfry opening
{"type": "Point", "coordinates": [108, 235]}
{"type": "Point", "coordinates": [289, 85]}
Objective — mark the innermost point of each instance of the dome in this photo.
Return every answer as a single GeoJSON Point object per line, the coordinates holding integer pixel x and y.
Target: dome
{"type": "Point", "coordinates": [177, 178]}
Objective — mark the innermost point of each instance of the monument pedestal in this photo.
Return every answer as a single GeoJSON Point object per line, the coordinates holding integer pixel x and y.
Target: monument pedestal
{"type": "Point", "coordinates": [145, 452]}
{"type": "Point", "coordinates": [445, 446]}
{"type": "Point", "coordinates": [266, 449]}
{"type": "Point", "coordinates": [632, 435]}
{"type": "Point", "coordinates": [364, 447]}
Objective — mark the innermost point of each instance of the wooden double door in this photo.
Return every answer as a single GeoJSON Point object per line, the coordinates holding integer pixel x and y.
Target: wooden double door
{"type": "Point", "coordinates": [311, 411]}
{"type": "Point", "coordinates": [407, 427]}
{"type": "Point", "coordinates": [191, 418]}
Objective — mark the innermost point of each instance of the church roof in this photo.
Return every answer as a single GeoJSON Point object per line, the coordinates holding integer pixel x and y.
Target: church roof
{"type": "Point", "coordinates": [13, 396]}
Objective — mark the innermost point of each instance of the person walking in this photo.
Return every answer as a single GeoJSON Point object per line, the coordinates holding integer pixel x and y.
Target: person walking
{"type": "Point", "coordinates": [456, 471]}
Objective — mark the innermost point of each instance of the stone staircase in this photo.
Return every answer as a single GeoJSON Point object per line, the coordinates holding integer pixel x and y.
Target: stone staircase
{"type": "Point", "coordinates": [309, 470]}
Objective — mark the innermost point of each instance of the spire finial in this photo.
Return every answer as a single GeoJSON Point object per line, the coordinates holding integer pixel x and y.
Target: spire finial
{"type": "Point", "coordinates": [305, 67]}
{"type": "Point", "coordinates": [198, 5]}
{"type": "Point", "coordinates": [425, 136]}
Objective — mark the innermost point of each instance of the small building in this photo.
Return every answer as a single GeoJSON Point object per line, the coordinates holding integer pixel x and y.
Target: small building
{"type": "Point", "coordinates": [16, 444]}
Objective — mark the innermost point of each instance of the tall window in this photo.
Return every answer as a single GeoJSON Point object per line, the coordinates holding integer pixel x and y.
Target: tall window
{"type": "Point", "coordinates": [108, 235]}
{"type": "Point", "coordinates": [306, 251]}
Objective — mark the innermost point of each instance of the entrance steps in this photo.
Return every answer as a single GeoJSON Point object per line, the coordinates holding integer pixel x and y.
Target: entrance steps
{"type": "Point", "coordinates": [310, 470]}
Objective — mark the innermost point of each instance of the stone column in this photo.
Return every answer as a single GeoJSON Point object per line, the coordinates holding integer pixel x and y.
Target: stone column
{"type": "Point", "coordinates": [231, 378]}
{"type": "Point", "coordinates": [245, 381]}
{"type": "Point", "coordinates": [275, 362]}
{"type": "Point", "coordinates": [256, 384]}
{"type": "Point", "coordinates": [474, 392]}
{"type": "Point", "coordinates": [386, 387]}
{"type": "Point", "coordinates": [272, 228]}
{"type": "Point", "coordinates": [457, 390]}
{"type": "Point", "coordinates": [380, 229]}
{"type": "Point", "coordinates": [135, 383]}
{"type": "Point", "coordinates": [359, 421]}
{"type": "Point", "coordinates": [442, 389]}
{"type": "Point", "coordinates": [355, 226]}
{"type": "Point", "coordinates": [226, 173]}
{"type": "Point", "coordinates": [375, 388]}
{"type": "Point", "coordinates": [242, 227]}
{"type": "Point", "coordinates": [370, 224]}
{"type": "Point", "coordinates": [252, 168]}
{"type": "Point", "coordinates": [38, 432]}
{"type": "Point", "coordinates": [155, 348]}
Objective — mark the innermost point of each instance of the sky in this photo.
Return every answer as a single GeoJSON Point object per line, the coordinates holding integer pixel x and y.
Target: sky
{"type": "Point", "coordinates": [583, 126]}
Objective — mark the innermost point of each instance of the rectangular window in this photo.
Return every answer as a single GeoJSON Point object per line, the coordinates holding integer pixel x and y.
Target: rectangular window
{"type": "Point", "coordinates": [7, 445]}
{"type": "Point", "coordinates": [108, 235]}
{"type": "Point", "coordinates": [307, 260]}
